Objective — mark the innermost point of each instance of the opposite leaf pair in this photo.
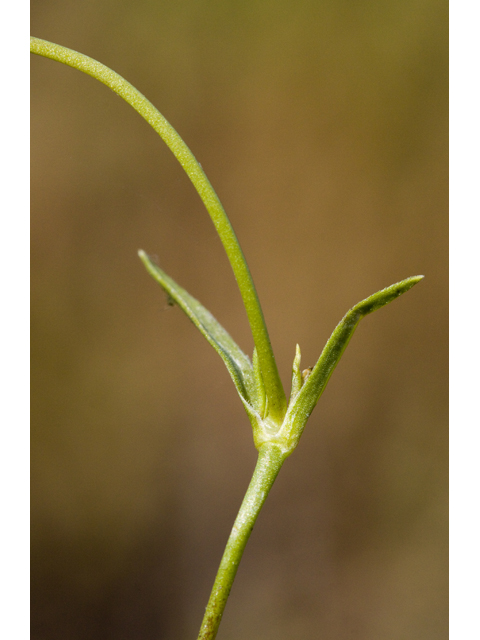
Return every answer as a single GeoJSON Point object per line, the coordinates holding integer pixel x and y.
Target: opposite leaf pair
{"type": "Point", "coordinates": [247, 376]}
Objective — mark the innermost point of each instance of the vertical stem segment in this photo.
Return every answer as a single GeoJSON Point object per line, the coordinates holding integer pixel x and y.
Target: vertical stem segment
{"type": "Point", "coordinates": [274, 389]}
{"type": "Point", "coordinates": [270, 459]}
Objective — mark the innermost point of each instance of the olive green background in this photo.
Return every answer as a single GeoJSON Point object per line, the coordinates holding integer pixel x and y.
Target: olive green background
{"type": "Point", "coordinates": [323, 127]}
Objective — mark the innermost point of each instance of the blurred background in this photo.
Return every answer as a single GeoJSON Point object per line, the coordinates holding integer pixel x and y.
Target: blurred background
{"type": "Point", "coordinates": [322, 126]}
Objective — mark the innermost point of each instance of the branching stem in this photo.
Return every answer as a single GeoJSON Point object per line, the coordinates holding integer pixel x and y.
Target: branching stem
{"type": "Point", "coordinates": [275, 444]}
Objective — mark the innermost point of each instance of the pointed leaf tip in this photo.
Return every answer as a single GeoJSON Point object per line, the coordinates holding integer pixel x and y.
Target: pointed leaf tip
{"type": "Point", "coordinates": [383, 297]}
{"type": "Point", "coordinates": [237, 363]}
{"type": "Point", "coordinates": [307, 394]}
{"type": "Point", "coordinates": [297, 379]}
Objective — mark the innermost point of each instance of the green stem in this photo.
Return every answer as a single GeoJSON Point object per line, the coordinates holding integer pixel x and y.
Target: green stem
{"type": "Point", "coordinates": [273, 386]}
{"type": "Point", "coordinates": [270, 460]}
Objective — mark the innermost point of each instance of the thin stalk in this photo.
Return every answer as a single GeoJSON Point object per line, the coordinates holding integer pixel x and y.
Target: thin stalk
{"type": "Point", "coordinates": [270, 460]}
{"type": "Point", "coordinates": [273, 386]}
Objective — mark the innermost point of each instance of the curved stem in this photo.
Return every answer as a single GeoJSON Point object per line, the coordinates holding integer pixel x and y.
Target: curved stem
{"type": "Point", "coordinates": [273, 385]}
{"type": "Point", "coordinates": [270, 460]}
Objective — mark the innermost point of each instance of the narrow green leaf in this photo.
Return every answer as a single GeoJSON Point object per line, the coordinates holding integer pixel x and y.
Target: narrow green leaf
{"type": "Point", "coordinates": [237, 362]}
{"type": "Point", "coordinates": [304, 403]}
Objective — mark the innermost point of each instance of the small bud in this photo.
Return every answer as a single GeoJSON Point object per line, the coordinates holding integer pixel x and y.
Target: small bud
{"type": "Point", "coordinates": [306, 373]}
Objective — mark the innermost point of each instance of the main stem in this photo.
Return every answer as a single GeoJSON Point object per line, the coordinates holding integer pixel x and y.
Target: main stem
{"type": "Point", "coordinates": [270, 460]}
{"type": "Point", "coordinates": [273, 385]}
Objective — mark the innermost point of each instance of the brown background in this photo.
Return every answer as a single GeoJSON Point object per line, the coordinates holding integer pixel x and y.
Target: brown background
{"type": "Point", "coordinates": [323, 127]}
